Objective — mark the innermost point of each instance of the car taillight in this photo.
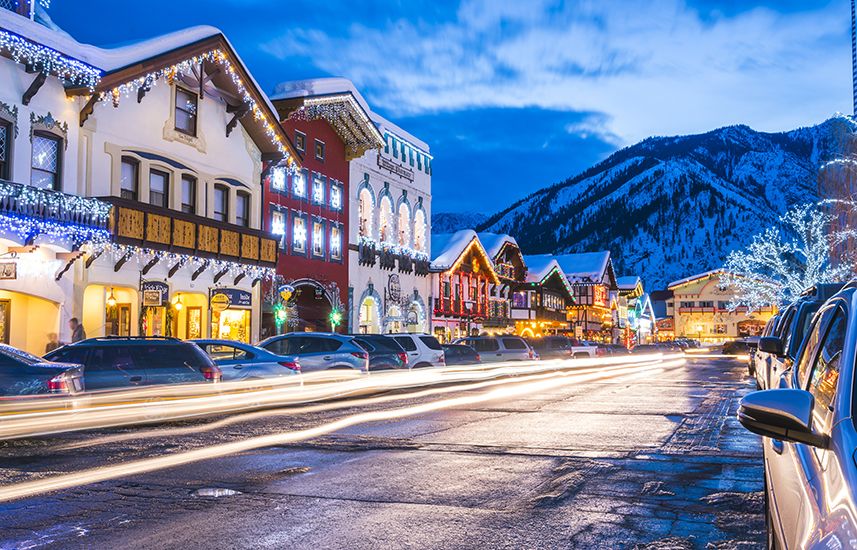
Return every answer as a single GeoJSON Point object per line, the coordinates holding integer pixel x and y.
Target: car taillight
{"type": "Point", "coordinates": [211, 373]}
{"type": "Point", "coordinates": [600, 351]}
{"type": "Point", "coordinates": [360, 354]}
{"type": "Point", "coordinates": [478, 357]}
{"type": "Point", "coordinates": [531, 355]}
{"type": "Point", "coordinates": [291, 365]}
{"type": "Point", "coordinates": [403, 357]}
{"type": "Point", "coordinates": [58, 384]}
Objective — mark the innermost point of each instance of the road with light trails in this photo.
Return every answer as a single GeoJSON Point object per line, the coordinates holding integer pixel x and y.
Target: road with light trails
{"type": "Point", "coordinates": [652, 457]}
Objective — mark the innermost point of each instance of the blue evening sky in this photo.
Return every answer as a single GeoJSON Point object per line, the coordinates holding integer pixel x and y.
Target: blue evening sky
{"type": "Point", "coordinates": [513, 96]}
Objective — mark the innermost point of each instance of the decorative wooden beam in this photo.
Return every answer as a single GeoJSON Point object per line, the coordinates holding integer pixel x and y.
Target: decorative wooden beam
{"type": "Point", "coordinates": [220, 275]}
{"type": "Point", "coordinates": [238, 278]}
{"type": "Point", "coordinates": [88, 109]}
{"type": "Point", "coordinates": [34, 88]}
{"type": "Point", "coordinates": [240, 112]}
{"type": "Point", "coordinates": [198, 272]}
{"type": "Point", "coordinates": [69, 258]}
{"type": "Point", "coordinates": [122, 261]}
{"type": "Point", "coordinates": [256, 281]}
{"type": "Point", "coordinates": [152, 263]}
{"type": "Point", "coordinates": [143, 90]}
{"type": "Point", "coordinates": [174, 269]}
{"type": "Point", "coordinates": [23, 249]}
{"type": "Point", "coordinates": [92, 258]}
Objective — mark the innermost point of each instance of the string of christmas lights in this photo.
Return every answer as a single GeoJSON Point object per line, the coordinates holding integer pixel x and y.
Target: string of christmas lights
{"type": "Point", "coordinates": [49, 61]}
{"type": "Point", "coordinates": [26, 228]}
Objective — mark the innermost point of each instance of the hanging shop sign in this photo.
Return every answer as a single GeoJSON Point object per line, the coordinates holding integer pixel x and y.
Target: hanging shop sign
{"type": "Point", "coordinates": [155, 293]}
{"type": "Point", "coordinates": [286, 292]}
{"type": "Point", "coordinates": [231, 297]}
{"type": "Point", "coordinates": [395, 168]}
{"type": "Point", "coordinates": [394, 288]}
{"type": "Point", "coordinates": [8, 271]}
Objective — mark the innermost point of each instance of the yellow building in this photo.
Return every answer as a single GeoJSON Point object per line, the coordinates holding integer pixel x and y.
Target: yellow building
{"type": "Point", "coordinates": [700, 309]}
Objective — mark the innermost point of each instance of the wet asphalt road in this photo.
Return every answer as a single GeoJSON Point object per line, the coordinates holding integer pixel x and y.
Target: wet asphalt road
{"type": "Point", "coordinates": [654, 463]}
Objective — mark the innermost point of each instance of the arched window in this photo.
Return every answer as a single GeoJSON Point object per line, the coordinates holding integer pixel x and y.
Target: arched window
{"type": "Point", "coordinates": [366, 205]}
{"type": "Point", "coordinates": [404, 224]}
{"type": "Point", "coordinates": [420, 230]}
{"type": "Point", "coordinates": [385, 220]}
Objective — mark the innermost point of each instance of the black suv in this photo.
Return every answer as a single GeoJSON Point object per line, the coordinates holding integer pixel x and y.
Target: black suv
{"type": "Point", "coordinates": [127, 362]}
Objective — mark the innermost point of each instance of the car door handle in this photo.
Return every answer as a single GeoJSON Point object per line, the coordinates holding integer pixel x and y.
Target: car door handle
{"type": "Point", "coordinates": [327, 358]}
{"type": "Point", "coordinates": [499, 355]}
{"type": "Point", "coordinates": [777, 446]}
{"type": "Point", "coordinates": [238, 367]}
{"type": "Point", "coordinates": [135, 378]}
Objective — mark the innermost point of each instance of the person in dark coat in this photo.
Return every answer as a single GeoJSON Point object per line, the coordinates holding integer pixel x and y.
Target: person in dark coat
{"type": "Point", "coordinates": [53, 342]}
{"type": "Point", "coordinates": [77, 332]}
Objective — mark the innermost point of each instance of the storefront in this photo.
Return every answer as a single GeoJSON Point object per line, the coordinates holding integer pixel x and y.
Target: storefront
{"type": "Point", "coordinates": [230, 314]}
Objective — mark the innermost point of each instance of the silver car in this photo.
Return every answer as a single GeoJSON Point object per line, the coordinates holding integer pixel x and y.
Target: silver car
{"type": "Point", "coordinates": [240, 361]}
{"type": "Point", "coordinates": [810, 437]}
{"type": "Point", "coordinates": [317, 351]}
{"type": "Point", "coordinates": [500, 348]}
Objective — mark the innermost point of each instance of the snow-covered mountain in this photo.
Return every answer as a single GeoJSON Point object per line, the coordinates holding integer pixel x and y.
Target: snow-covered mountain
{"type": "Point", "coordinates": [669, 207]}
{"type": "Point", "coordinates": [450, 222]}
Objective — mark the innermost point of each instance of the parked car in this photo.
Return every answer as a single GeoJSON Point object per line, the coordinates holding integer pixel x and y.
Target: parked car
{"type": "Point", "coordinates": [562, 347]}
{"type": "Point", "coordinates": [644, 349]}
{"type": "Point", "coordinates": [22, 373]}
{"type": "Point", "coordinates": [318, 351]}
{"type": "Point", "coordinates": [810, 435]}
{"type": "Point", "coordinates": [500, 348]}
{"type": "Point", "coordinates": [127, 362]}
{"type": "Point", "coordinates": [240, 361]}
{"type": "Point", "coordinates": [738, 346]}
{"type": "Point", "coordinates": [384, 352]}
{"type": "Point", "coordinates": [459, 354]}
{"type": "Point", "coordinates": [757, 358]}
{"type": "Point", "coordinates": [423, 350]}
{"type": "Point", "coordinates": [612, 350]}
{"type": "Point", "coordinates": [781, 347]}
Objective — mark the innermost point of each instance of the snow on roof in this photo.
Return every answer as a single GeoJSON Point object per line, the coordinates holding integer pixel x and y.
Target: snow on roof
{"type": "Point", "coordinates": [339, 85]}
{"type": "Point", "coordinates": [628, 282]}
{"type": "Point", "coordinates": [539, 266]}
{"type": "Point", "coordinates": [446, 248]}
{"type": "Point", "coordinates": [587, 266]}
{"type": "Point", "coordinates": [493, 242]}
{"type": "Point", "coordinates": [694, 278]}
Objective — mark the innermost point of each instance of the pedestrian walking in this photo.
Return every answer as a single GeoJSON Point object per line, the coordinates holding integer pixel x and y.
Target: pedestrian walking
{"type": "Point", "coordinates": [77, 332]}
{"type": "Point", "coordinates": [53, 342]}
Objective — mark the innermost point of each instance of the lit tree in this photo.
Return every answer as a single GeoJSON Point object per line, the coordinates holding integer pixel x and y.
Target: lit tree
{"type": "Point", "coordinates": [784, 260]}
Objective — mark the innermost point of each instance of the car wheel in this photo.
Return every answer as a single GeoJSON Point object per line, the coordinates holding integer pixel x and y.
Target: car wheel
{"type": "Point", "coordinates": [422, 366]}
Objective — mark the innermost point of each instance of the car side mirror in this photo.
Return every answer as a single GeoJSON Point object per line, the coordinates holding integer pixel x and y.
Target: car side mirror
{"type": "Point", "coordinates": [784, 414]}
{"type": "Point", "coordinates": [771, 344]}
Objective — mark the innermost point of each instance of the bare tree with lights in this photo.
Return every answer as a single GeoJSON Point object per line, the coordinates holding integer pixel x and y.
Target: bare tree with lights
{"type": "Point", "coordinates": [797, 253]}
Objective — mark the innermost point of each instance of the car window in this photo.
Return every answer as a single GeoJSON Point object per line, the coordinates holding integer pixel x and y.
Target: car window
{"type": "Point", "coordinates": [406, 342]}
{"type": "Point", "coordinates": [559, 343]}
{"type": "Point", "coordinates": [514, 343]}
{"type": "Point", "coordinates": [69, 354]}
{"type": "Point", "coordinates": [168, 356]}
{"type": "Point", "coordinates": [485, 344]}
{"type": "Point", "coordinates": [387, 344]}
{"type": "Point", "coordinates": [810, 348]}
{"type": "Point", "coordinates": [825, 372]}
{"type": "Point", "coordinates": [222, 352]}
{"type": "Point", "coordinates": [430, 342]}
{"type": "Point", "coordinates": [452, 351]}
{"type": "Point", "coordinates": [109, 358]}
{"type": "Point", "coordinates": [364, 344]}
{"type": "Point", "coordinates": [312, 344]}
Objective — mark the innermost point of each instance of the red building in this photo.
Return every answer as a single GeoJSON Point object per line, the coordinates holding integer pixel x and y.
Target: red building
{"type": "Point", "coordinates": [309, 211]}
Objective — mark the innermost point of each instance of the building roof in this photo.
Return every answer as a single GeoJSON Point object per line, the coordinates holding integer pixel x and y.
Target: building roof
{"type": "Point", "coordinates": [493, 242]}
{"type": "Point", "coordinates": [313, 87]}
{"type": "Point", "coordinates": [539, 266]}
{"type": "Point", "coordinates": [660, 295]}
{"type": "Point", "coordinates": [446, 248]}
{"type": "Point", "coordinates": [694, 278]}
{"type": "Point", "coordinates": [124, 68]}
{"type": "Point", "coordinates": [587, 267]}
{"type": "Point", "coordinates": [628, 282]}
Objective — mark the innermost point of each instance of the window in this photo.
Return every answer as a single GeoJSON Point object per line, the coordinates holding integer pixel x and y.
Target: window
{"type": "Point", "coordinates": [299, 233]}
{"type": "Point", "coordinates": [412, 157]}
{"type": "Point", "coordinates": [299, 184]}
{"type": "Point", "coordinates": [129, 178]}
{"type": "Point", "coordinates": [242, 210]}
{"type": "Point", "coordinates": [395, 147]}
{"type": "Point", "coordinates": [365, 205]}
{"type": "Point", "coordinates": [385, 220]}
{"type": "Point", "coordinates": [221, 203]}
{"type": "Point", "coordinates": [335, 242]}
{"type": "Point", "coordinates": [278, 226]}
{"type": "Point", "coordinates": [404, 224]}
{"type": "Point", "coordinates": [825, 373]}
{"type": "Point", "coordinates": [419, 162]}
{"type": "Point", "coordinates": [278, 179]}
{"type": "Point", "coordinates": [514, 343]}
{"type": "Point", "coordinates": [722, 305]}
{"type": "Point", "coordinates": [318, 188]}
{"type": "Point", "coordinates": [386, 143]}
{"type": "Point", "coordinates": [159, 188]}
{"type": "Point", "coordinates": [318, 238]}
{"type": "Point", "coordinates": [335, 196]}
{"type": "Point", "coordinates": [420, 231]}
{"type": "Point", "coordinates": [300, 141]}
{"type": "Point", "coordinates": [706, 304]}
{"type": "Point", "coordinates": [187, 104]}
{"type": "Point", "coordinates": [319, 150]}
{"type": "Point", "coordinates": [406, 342]}
{"type": "Point", "coordinates": [810, 348]}
{"type": "Point", "coordinates": [5, 149]}
{"type": "Point", "coordinates": [46, 161]}
{"type": "Point", "coordinates": [431, 343]}
{"type": "Point", "coordinates": [519, 300]}
{"type": "Point", "coordinates": [686, 304]}
{"type": "Point", "coordinates": [188, 194]}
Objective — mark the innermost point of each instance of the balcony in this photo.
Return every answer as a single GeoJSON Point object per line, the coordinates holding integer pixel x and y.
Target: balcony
{"type": "Point", "coordinates": [56, 211]}
{"type": "Point", "coordinates": [465, 309]}
{"type": "Point", "coordinates": [366, 253]}
{"type": "Point", "coordinates": [421, 267]}
{"type": "Point", "coordinates": [406, 263]}
{"type": "Point", "coordinates": [387, 259]}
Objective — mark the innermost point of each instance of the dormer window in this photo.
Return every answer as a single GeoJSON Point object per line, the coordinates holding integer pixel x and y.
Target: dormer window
{"type": "Point", "coordinates": [45, 171]}
{"type": "Point", "coordinates": [319, 150]}
{"type": "Point", "coordinates": [187, 104]}
{"type": "Point", "coordinates": [300, 141]}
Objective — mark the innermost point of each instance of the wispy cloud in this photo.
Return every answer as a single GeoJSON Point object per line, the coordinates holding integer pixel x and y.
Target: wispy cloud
{"type": "Point", "coordinates": [646, 67]}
